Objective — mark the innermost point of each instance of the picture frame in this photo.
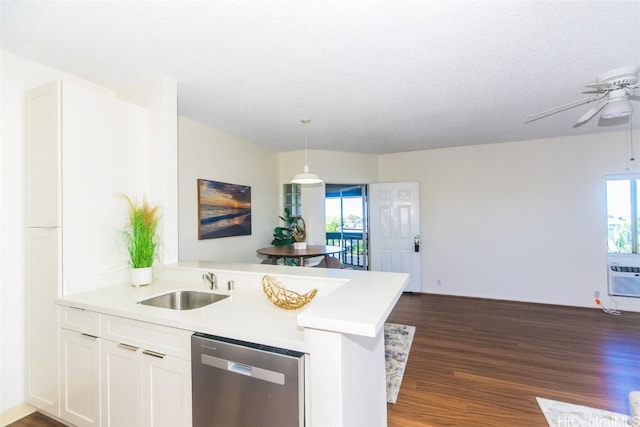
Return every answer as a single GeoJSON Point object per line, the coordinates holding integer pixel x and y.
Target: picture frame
{"type": "Point", "coordinates": [224, 210]}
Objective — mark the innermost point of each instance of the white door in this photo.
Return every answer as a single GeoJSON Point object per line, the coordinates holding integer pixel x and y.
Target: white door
{"type": "Point", "coordinates": [121, 394]}
{"type": "Point", "coordinates": [394, 226]}
{"type": "Point", "coordinates": [43, 259]}
{"type": "Point", "coordinates": [166, 391]}
{"type": "Point", "coordinates": [80, 376]}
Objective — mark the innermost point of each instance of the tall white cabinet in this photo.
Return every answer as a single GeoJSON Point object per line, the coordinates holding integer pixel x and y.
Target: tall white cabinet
{"type": "Point", "coordinates": [82, 146]}
{"type": "Point", "coordinates": [43, 244]}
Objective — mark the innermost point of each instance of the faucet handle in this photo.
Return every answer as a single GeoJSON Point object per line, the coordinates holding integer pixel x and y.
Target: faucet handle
{"type": "Point", "coordinates": [212, 279]}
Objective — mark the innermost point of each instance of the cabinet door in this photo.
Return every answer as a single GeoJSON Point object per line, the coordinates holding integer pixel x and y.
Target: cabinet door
{"type": "Point", "coordinates": [121, 390]}
{"type": "Point", "coordinates": [43, 140]}
{"type": "Point", "coordinates": [166, 390]}
{"type": "Point", "coordinates": [42, 287]}
{"type": "Point", "coordinates": [80, 392]}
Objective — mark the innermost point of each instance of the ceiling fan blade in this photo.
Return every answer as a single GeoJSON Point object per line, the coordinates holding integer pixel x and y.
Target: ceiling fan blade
{"type": "Point", "coordinates": [602, 86]}
{"type": "Point", "coordinates": [592, 112]}
{"type": "Point", "coordinates": [564, 107]}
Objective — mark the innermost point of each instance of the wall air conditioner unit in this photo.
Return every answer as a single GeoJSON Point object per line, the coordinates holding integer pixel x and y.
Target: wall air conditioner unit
{"type": "Point", "coordinates": [624, 281]}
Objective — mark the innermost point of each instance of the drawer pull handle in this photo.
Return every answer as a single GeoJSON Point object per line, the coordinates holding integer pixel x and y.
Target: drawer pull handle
{"type": "Point", "coordinates": [93, 337]}
{"type": "Point", "coordinates": [127, 347]}
{"type": "Point", "coordinates": [153, 353]}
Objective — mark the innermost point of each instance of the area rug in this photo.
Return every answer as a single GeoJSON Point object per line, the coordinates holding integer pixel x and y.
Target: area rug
{"type": "Point", "coordinates": [560, 414]}
{"type": "Point", "coordinates": [397, 342]}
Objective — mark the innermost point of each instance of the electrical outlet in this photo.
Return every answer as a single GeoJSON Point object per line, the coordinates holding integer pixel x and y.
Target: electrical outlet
{"type": "Point", "coordinates": [596, 294]}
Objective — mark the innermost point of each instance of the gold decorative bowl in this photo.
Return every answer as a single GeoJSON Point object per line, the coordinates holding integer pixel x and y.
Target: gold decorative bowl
{"type": "Point", "coordinates": [285, 298]}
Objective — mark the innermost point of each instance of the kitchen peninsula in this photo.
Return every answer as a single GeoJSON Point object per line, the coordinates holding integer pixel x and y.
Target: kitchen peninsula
{"type": "Point", "coordinates": [340, 331]}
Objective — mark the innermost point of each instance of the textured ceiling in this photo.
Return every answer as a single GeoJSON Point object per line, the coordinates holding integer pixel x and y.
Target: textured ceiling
{"type": "Point", "coordinates": [374, 76]}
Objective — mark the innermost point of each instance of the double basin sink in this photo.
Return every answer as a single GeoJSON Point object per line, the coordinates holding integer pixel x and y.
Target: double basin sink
{"type": "Point", "coordinates": [183, 300]}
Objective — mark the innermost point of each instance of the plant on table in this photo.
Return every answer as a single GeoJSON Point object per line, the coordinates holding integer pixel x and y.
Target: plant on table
{"type": "Point", "coordinates": [283, 235]}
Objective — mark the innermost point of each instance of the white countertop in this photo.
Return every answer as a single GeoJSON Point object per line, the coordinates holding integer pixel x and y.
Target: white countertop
{"type": "Point", "coordinates": [348, 301]}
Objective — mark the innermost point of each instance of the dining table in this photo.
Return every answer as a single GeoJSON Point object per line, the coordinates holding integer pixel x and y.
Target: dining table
{"type": "Point", "coordinates": [310, 251]}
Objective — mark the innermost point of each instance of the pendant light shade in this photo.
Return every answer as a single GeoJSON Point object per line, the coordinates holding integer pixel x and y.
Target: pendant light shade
{"type": "Point", "coordinates": [306, 177]}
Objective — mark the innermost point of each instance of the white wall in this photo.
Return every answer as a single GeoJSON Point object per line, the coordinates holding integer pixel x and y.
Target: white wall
{"type": "Point", "coordinates": [205, 153]}
{"type": "Point", "coordinates": [520, 221]}
{"type": "Point", "coordinates": [160, 97]}
{"type": "Point", "coordinates": [104, 153]}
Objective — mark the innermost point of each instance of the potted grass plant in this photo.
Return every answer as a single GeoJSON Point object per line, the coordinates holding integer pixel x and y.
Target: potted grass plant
{"type": "Point", "coordinates": [141, 240]}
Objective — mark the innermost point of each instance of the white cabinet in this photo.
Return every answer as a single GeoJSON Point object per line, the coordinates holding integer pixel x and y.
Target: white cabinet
{"type": "Point", "coordinates": [122, 372]}
{"type": "Point", "coordinates": [75, 137]}
{"type": "Point", "coordinates": [166, 390]}
{"type": "Point", "coordinates": [42, 285]}
{"type": "Point", "coordinates": [43, 261]}
{"type": "Point", "coordinates": [146, 374]}
{"type": "Point", "coordinates": [80, 382]}
{"type": "Point", "coordinates": [43, 144]}
{"type": "Point", "coordinates": [121, 385]}
{"type": "Point", "coordinates": [80, 366]}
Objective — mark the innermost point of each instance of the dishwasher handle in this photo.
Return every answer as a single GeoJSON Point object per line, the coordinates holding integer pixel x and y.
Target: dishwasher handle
{"type": "Point", "coordinates": [242, 369]}
{"type": "Point", "coordinates": [239, 368]}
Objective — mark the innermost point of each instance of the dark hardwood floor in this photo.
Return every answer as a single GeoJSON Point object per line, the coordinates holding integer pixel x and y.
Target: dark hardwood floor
{"type": "Point", "coordinates": [36, 419]}
{"type": "Point", "coordinates": [476, 362]}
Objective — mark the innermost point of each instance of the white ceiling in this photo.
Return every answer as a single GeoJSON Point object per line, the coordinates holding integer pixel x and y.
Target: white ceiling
{"type": "Point", "coordinates": [374, 76]}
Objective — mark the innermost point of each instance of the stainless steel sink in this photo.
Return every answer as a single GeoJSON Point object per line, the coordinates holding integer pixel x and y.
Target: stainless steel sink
{"type": "Point", "coordinates": [183, 300]}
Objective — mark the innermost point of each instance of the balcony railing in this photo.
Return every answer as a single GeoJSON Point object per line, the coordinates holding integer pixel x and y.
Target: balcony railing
{"type": "Point", "coordinates": [353, 245]}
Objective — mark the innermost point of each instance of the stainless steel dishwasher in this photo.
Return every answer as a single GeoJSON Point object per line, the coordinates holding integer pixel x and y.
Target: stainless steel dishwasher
{"type": "Point", "coordinates": [237, 383]}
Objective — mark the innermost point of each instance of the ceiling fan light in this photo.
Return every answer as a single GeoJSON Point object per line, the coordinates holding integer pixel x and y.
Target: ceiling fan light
{"type": "Point", "coordinates": [613, 110]}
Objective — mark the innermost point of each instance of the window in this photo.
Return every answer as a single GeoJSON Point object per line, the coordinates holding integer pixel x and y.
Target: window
{"type": "Point", "coordinates": [292, 198]}
{"type": "Point", "coordinates": [622, 214]}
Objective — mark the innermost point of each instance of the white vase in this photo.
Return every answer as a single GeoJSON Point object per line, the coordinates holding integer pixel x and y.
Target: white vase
{"type": "Point", "coordinates": [141, 276]}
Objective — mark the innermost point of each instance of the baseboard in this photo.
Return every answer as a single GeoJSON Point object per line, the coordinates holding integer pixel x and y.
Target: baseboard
{"type": "Point", "coordinates": [14, 414]}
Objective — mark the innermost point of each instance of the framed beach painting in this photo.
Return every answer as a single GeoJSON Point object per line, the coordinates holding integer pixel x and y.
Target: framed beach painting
{"type": "Point", "coordinates": [224, 210]}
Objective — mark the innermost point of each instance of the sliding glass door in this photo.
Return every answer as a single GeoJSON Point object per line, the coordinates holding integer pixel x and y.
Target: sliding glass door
{"type": "Point", "coordinates": [346, 216]}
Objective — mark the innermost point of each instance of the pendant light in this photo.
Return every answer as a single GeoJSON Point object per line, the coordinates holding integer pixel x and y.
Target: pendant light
{"type": "Point", "coordinates": [306, 177]}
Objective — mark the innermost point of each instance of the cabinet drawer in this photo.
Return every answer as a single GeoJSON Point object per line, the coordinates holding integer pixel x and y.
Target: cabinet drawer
{"type": "Point", "coordinates": [80, 320]}
{"type": "Point", "coordinates": [148, 336]}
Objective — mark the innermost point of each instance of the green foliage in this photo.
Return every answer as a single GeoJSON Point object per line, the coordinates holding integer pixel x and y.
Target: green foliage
{"type": "Point", "coordinates": [333, 224]}
{"type": "Point", "coordinates": [354, 219]}
{"type": "Point", "coordinates": [140, 233]}
{"type": "Point", "coordinates": [283, 236]}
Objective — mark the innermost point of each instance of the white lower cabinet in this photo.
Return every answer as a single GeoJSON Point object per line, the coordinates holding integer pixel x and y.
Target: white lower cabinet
{"type": "Point", "coordinates": [80, 391]}
{"type": "Point", "coordinates": [79, 366]}
{"type": "Point", "coordinates": [143, 382]}
{"type": "Point", "coordinates": [166, 391]}
{"type": "Point", "coordinates": [121, 385]}
{"type": "Point", "coordinates": [120, 372]}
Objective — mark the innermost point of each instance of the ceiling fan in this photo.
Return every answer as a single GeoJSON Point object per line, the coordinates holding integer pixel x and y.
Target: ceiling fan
{"type": "Point", "coordinates": [612, 91]}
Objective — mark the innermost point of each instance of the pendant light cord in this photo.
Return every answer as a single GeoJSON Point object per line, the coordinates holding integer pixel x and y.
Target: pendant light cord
{"type": "Point", "coordinates": [306, 159]}
{"type": "Point", "coordinates": [631, 133]}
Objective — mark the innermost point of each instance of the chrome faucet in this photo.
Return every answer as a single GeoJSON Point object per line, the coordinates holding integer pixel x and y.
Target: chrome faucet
{"type": "Point", "coordinates": [212, 279]}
